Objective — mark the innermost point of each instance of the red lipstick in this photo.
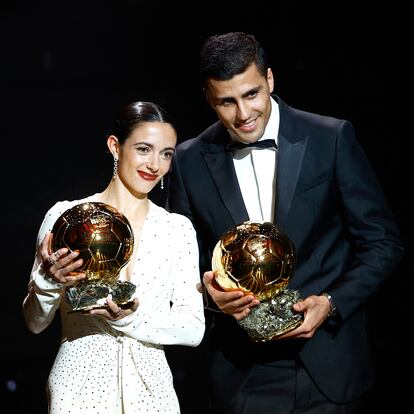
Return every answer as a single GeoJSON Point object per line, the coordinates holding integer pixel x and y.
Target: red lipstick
{"type": "Point", "coordinates": [147, 176]}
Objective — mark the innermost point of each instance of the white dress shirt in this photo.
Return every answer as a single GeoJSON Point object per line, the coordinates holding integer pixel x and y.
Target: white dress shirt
{"type": "Point", "coordinates": [256, 173]}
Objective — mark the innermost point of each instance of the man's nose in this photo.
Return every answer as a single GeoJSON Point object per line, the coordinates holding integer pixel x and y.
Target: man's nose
{"type": "Point", "coordinates": [242, 111]}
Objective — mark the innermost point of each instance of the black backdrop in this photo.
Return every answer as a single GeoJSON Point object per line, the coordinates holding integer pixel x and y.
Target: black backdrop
{"type": "Point", "coordinates": [67, 65]}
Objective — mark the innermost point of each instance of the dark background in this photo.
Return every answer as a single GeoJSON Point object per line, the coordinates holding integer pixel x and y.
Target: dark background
{"type": "Point", "coordinates": [66, 66]}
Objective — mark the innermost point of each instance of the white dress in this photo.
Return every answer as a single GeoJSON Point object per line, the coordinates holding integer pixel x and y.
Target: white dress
{"type": "Point", "coordinates": [109, 367]}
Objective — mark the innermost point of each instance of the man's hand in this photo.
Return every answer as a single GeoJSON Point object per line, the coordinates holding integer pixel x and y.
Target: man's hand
{"type": "Point", "coordinates": [236, 303]}
{"type": "Point", "coordinates": [315, 310]}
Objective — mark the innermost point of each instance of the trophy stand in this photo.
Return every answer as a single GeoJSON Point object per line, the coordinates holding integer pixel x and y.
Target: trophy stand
{"type": "Point", "coordinates": [87, 296]}
{"type": "Point", "coordinates": [273, 317]}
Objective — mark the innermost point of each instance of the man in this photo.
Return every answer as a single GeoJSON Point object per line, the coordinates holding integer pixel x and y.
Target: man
{"type": "Point", "coordinates": [320, 189]}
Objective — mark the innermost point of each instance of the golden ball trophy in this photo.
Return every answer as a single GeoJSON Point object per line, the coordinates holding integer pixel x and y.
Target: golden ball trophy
{"type": "Point", "coordinates": [104, 238]}
{"type": "Point", "coordinates": [259, 259]}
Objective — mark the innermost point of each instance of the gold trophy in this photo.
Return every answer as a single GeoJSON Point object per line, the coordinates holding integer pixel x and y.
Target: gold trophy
{"type": "Point", "coordinates": [259, 259]}
{"type": "Point", "coordinates": [104, 238]}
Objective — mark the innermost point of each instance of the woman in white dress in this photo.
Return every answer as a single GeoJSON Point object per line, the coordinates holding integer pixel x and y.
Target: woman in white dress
{"type": "Point", "coordinates": [112, 360]}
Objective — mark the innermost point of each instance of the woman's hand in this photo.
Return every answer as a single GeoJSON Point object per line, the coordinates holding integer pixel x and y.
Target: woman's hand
{"type": "Point", "coordinates": [113, 312]}
{"type": "Point", "coordinates": [59, 265]}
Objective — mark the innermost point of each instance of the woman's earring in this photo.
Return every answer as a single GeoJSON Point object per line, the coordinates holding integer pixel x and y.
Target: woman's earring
{"type": "Point", "coordinates": [115, 168]}
{"type": "Point", "coordinates": [162, 183]}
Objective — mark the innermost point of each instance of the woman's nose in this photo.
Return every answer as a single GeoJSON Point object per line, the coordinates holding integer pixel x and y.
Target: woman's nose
{"type": "Point", "coordinates": [153, 163]}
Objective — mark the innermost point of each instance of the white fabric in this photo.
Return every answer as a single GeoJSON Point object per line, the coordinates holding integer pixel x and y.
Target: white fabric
{"type": "Point", "coordinates": [120, 367]}
{"type": "Point", "coordinates": [256, 173]}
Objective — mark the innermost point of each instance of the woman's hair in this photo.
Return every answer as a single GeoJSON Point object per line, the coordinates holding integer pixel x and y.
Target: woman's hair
{"type": "Point", "coordinates": [130, 116]}
{"type": "Point", "coordinates": [226, 55]}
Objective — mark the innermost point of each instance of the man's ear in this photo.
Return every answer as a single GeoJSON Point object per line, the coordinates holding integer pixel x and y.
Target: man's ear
{"type": "Point", "coordinates": [270, 79]}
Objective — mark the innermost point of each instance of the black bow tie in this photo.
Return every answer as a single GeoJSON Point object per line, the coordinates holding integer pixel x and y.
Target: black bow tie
{"type": "Point", "coordinates": [266, 143]}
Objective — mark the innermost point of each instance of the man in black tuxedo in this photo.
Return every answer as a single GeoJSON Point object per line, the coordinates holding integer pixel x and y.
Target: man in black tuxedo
{"type": "Point", "coordinates": [318, 186]}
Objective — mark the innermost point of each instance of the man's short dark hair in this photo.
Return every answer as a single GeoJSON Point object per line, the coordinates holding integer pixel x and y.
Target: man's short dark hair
{"type": "Point", "coordinates": [226, 55]}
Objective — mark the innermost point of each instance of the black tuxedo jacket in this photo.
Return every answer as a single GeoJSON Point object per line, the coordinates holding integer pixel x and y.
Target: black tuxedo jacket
{"type": "Point", "coordinates": [330, 204]}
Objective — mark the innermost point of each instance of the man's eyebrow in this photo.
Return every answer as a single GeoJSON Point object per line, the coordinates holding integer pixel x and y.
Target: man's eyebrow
{"type": "Point", "coordinates": [244, 95]}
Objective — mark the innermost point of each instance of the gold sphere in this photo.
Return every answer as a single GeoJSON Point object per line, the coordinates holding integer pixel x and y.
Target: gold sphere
{"type": "Point", "coordinates": [256, 258]}
{"type": "Point", "coordinates": [102, 235]}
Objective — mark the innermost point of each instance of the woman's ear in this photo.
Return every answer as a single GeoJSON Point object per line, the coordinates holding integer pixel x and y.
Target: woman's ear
{"type": "Point", "coordinates": [113, 145]}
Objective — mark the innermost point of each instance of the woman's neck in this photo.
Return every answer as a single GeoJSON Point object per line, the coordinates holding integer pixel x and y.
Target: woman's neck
{"type": "Point", "coordinates": [134, 207]}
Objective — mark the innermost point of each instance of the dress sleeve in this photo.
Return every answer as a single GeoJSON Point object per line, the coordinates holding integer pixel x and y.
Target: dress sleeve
{"type": "Point", "coordinates": [44, 295]}
{"type": "Point", "coordinates": [181, 320]}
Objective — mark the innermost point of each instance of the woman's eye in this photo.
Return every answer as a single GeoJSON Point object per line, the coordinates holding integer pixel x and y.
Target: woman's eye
{"type": "Point", "coordinates": [143, 150]}
{"type": "Point", "coordinates": [168, 155]}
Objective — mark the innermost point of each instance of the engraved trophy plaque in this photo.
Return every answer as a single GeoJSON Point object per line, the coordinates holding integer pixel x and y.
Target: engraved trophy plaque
{"type": "Point", "coordinates": [104, 238]}
{"type": "Point", "coordinates": [259, 259]}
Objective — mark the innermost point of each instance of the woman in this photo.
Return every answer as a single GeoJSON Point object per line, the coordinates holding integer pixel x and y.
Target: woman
{"type": "Point", "coordinates": [112, 360]}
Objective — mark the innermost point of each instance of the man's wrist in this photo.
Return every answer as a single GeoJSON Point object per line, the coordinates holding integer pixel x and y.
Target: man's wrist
{"type": "Point", "coordinates": [333, 309]}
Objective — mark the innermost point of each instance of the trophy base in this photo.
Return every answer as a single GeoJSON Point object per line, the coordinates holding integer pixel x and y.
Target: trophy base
{"type": "Point", "coordinates": [272, 318]}
{"type": "Point", "coordinates": [87, 296]}
{"type": "Point", "coordinates": [125, 305]}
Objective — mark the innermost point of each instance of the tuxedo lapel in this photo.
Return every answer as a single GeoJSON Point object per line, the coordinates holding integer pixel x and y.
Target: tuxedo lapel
{"type": "Point", "coordinates": [289, 165]}
{"type": "Point", "coordinates": [291, 150]}
{"type": "Point", "coordinates": [222, 170]}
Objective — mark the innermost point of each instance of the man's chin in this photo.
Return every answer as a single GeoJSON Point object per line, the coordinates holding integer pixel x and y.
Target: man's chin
{"type": "Point", "coordinates": [245, 138]}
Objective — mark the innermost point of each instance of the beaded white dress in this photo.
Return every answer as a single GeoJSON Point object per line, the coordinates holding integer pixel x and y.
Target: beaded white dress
{"type": "Point", "coordinates": [111, 367]}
